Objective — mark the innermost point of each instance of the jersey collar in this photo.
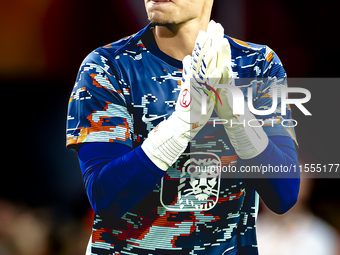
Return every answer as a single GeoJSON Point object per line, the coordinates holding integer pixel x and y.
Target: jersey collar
{"type": "Point", "coordinates": [149, 42]}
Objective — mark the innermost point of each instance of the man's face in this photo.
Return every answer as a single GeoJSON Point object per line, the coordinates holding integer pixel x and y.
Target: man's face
{"type": "Point", "coordinates": [171, 12]}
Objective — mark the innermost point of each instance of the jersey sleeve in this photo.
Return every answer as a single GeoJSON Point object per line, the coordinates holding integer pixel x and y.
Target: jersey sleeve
{"type": "Point", "coordinates": [275, 78]}
{"type": "Point", "coordinates": [97, 110]}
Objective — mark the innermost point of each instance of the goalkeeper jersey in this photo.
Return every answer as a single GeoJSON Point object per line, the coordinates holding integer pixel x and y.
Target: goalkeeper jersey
{"type": "Point", "coordinates": [123, 90]}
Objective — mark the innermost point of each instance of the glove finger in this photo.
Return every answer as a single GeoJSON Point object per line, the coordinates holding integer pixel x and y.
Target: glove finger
{"type": "Point", "coordinates": [205, 64]}
{"type": "Point", "coordinates": [214, 77]}
{"type": "Point", "coordinates": [210, 58]}
{"type": "Point", "coordinates": [201, 45]}
{"type": "Point", "coordinates": [201, 37]}
{"type": "Point", "coordinates": [223, 51]}
{"type": "Point", "coordinates": [211, 27]}
{"type": "Point", "coordinates": [201, 40]}
{"type": "Point", "coordinates": [216, 32]}
{"type": "Point", "coordinates": [187, 72]}
{"type": "Point", "coordinates": [226, 48]}
{"type": "Point", "coordinates": [226, 72]}
{"type": "Point", "coordinates": [186, 64]}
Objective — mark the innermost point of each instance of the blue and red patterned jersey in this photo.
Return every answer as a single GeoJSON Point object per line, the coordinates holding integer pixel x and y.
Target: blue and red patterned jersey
{"type": "Point", "coordinates": [123, 90]}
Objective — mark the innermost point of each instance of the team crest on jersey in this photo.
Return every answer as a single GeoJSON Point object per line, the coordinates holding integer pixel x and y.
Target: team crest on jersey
{"type": "Point", "coordinates": [193, 184]}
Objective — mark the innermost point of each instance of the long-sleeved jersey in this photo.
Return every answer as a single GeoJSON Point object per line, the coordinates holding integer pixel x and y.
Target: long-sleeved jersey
{"type": "Point", "coordinates": [123, 90]}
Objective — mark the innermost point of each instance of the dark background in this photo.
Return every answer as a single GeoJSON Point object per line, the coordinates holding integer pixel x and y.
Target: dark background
{"type": "Point", "coordinates": [42, 44]}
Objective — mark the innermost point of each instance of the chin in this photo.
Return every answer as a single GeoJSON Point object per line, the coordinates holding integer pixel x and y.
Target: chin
{"type": "Point", "coordinates": [160, 20]}
{"type": "Point", "coordinates": [156, 22]}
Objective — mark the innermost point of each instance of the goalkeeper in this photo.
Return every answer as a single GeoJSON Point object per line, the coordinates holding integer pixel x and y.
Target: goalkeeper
{"type": "Point", "coordinates": [135, 108]}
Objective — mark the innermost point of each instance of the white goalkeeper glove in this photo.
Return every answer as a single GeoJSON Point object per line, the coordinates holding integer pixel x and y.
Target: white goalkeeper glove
{"type": "Point", "coordinates": [222, 46]}
{"type": "Point", "coordinates": [248, 141]}
{"type": "Point", "coordinates": [170, 138]}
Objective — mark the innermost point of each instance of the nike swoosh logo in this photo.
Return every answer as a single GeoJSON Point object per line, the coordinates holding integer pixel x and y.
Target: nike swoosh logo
{"type": "Point", "coordinates": [145, 119]}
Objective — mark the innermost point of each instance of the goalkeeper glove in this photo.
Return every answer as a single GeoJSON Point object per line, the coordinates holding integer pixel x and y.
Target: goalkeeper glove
{"type": "Point", "coordinates": [170, 138]}
{"type": "Point", "coordinates": [248, 141]}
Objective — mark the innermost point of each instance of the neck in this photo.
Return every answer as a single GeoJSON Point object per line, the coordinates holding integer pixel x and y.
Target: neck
{"type": "Point", "coordinates": [178, 41]}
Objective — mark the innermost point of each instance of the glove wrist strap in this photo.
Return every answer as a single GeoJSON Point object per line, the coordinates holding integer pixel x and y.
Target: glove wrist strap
{"type": "Point", "coordinates": [248, 141]}
{"type": "Point", "coordinates": [167, 142]}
